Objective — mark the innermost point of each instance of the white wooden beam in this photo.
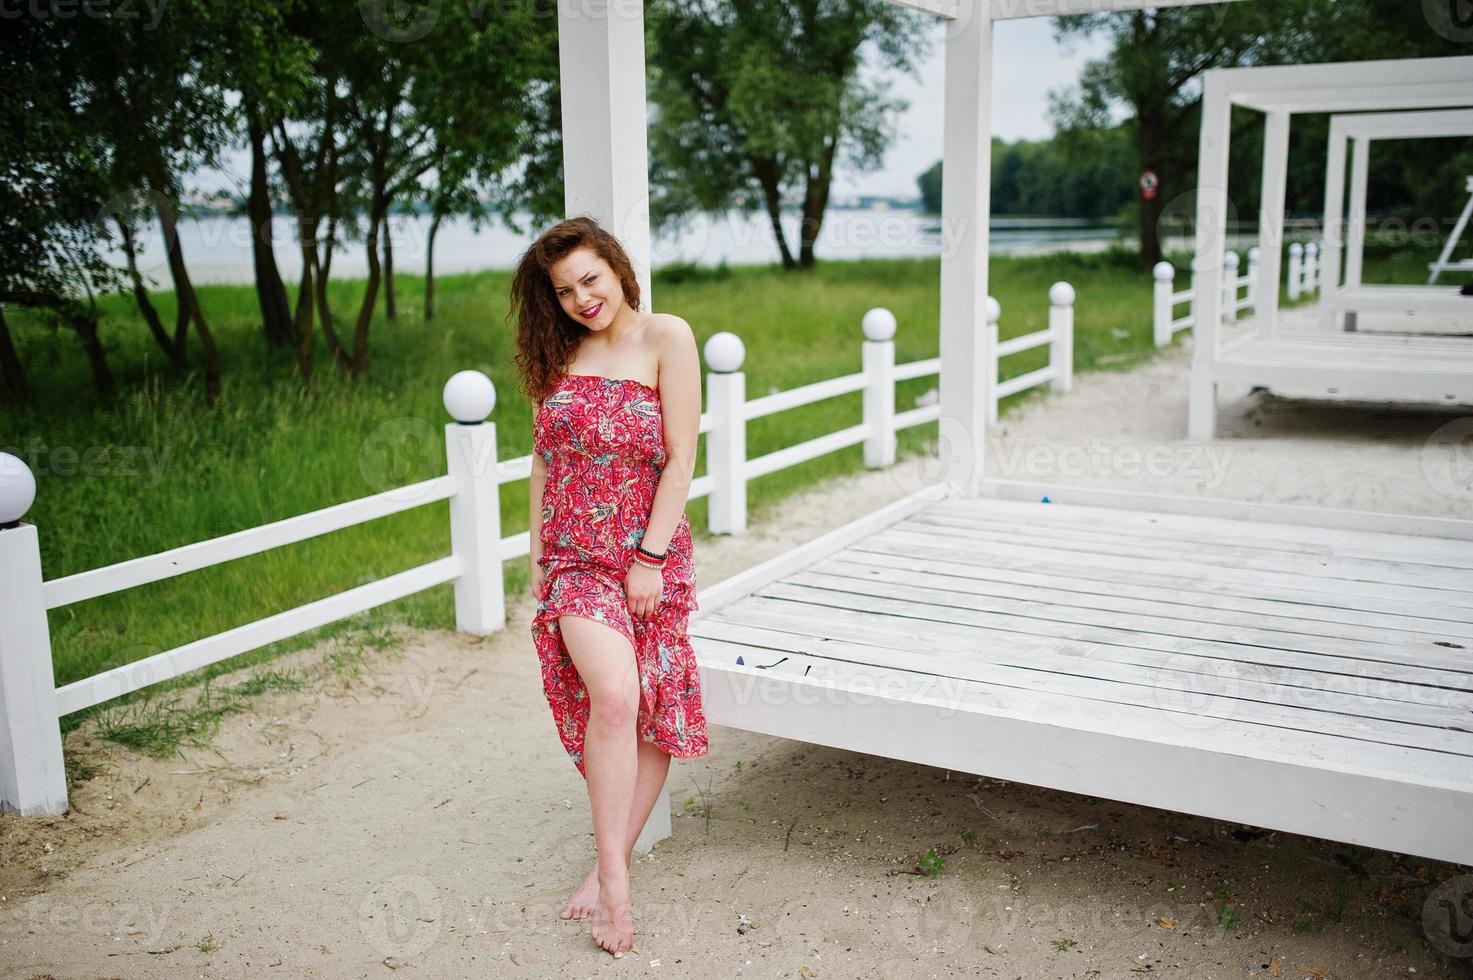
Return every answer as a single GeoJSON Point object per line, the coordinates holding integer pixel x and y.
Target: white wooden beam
{"type": "Point", "coordinates": [965, 381]}
{"type": "Point", "coordinates": [941, 8]}
{"type": "Point", "coordinates": [1359, 78]}
{"type": "Point", "coordinates": [605, 149]}
{"type": "Point", "coordinates": [1406, 125]}
{"type": "Point", "coordinates": [1271, 218]}
{"type": "Point", "coordinates": [1332, 230]}
{"type": "Point", "coordinates": [1355, 243]}
{"type": "Point", "coordinates": [1420, 96]}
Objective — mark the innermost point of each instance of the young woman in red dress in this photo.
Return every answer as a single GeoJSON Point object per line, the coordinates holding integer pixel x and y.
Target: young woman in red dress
{"type": "Point", "coordinates": [618, 397]}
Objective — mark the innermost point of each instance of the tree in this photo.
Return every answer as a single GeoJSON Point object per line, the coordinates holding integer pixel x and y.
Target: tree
{"type": "Point", "coordinates": [757, 100]}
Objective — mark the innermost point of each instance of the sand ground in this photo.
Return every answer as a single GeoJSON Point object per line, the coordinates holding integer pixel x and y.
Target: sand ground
{"type": "Point", "coordinates": [423, 817]}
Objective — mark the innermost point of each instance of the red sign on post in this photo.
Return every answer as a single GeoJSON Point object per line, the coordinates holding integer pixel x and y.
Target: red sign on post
{"type": "Point", "coordinates": [1149, 183]}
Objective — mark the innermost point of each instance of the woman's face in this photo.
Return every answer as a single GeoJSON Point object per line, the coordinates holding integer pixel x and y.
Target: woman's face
{"type": "Point", "coordinates": [586, 288]}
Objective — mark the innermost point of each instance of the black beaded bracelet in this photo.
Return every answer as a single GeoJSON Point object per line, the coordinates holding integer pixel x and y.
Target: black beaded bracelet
{"type": "Point", "coordinates": [650, 554]}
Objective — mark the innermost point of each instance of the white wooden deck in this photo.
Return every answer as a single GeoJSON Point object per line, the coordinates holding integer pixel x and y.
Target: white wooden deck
{"type": "Point", "coordinates": [1426, 359]}
{"type": "Point", "coordinates": [1272, 665]}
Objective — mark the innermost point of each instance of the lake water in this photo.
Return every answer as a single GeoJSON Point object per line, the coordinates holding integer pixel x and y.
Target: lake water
{"type": "Point", "coordinates": [218, 249]}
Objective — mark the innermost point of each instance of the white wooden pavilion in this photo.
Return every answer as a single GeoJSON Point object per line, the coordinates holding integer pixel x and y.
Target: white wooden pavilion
{"type": "Point", "coordinates": [1318, 363]}
{"type": "Point", "coordinates": [1343, 295]}
{"type": "Point", "coordinates": [1290, 667]}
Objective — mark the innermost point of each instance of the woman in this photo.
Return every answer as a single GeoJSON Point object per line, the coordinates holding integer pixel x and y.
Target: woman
{"type": "Point", "coordinates": [614, 443]}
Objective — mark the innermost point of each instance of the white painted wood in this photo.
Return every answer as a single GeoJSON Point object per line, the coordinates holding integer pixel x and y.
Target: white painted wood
{"type": "Point", "coordinates": [965, 379]}
{"type": "Point", "coordinates": [475, 527]}
{"type": "Point", "coordinates": [917, 369]}
{"type": "Point", "coordinates": [1380, 97]}
{"type": "Point", "coordinates": [1400, 297]}
{"type": "Point", "coordinates": [1162, 301]}
{"type": "Point", "coordinates": [726, 452]}
{"type": "Point", "coordinates": [1355, 242]}
{"type": "Point", "coordinates": [878, 358]}
{"type": "Point", "coordinates": [1444, 261]}
{"type": "Point", "coordinates": [804, 395]}
{"type": "Point", "coordinates": [1271, 217]}
{"type": "Point", "coordinates": [216, 551]}
{"type": "Point", "coordinates": [1354, 81]}
{"type": "Point", "coordinates": [1230, 283]}
{"type": "Point", "coordinates": [1213, 667]}
{"type": "Point", "coordinates": [1211, 224]}
{"type": "Point", "coordinates": [942, 8]}
{"type": "Point", "coordinates": [804, 451]}
{"type": "Point", "coordinates": [201, 653]}
{"type": "Point", "coordinates": [601, 68]}
{"type": "Point", "coordinates": [1290, 515]}
{"type": "Point", "coordinates": [32, 772]}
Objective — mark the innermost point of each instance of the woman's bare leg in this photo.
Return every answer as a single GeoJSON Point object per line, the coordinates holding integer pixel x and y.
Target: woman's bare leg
{"type": "Point", "coordinates": [654, 764]}
{"type": "Point", "coordinates": [605, 662]}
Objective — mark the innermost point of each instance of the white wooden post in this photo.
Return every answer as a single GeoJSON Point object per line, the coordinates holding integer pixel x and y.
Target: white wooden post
{"type": "Point", "coordinates": [1255, 259]}
{"type": "Point", "coordinates": [1269, 255]}
{"type": "Point", "coordinates": [1296, 270]}
{"type": "Point", "coordinates": [1192, 293]}
{"type": "Point", "coordinates": [1230, 288]}
{"type": "Point", "coordinates": [726, 441]}
{"type": "Point", "coordinates": [994, 362]}
{"type": "Point", "coordinates": [1211, 227]}
{"type": "Point", "coordinates": [965, 381]}
{"type": "Point", "coordinates": [32, 772]}
{"type": "Point", "coordinates": [1333, 227]}
{"type": "Point", "coordinates": [878, 360]}
{"type": "Point", "coordinates": [475, 508]}
{"type": "Point", "coordinates": [1312, 268]}
{"type": "Point", "coordinates": [1061, 335]}
{"type": "Point", "coordinates": [1161, 305]}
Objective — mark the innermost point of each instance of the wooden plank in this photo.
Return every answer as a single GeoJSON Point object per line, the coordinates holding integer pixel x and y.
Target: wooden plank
{"type": "Point", "coordinates": [1202, 705]}
{"type": "Point", "coordinates": [1374, 803]}
{"type": "Point", "coordinates": [1258, 581]}
{"type": "Point", "coordinates": [1197, 527]}
{"type": "Point", "coordinates": [921, 601]}
{"type": "Point", "coordinates": [1105, 540]}
{"type": "Point", "coordinates": [966, 634]}
{"type": "Point", "coordinates": [1289, 515]}
{"type": "Point", "coordinates": [1104, 594]}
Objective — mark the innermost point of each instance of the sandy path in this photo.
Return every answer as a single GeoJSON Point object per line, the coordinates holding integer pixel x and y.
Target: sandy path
{"type": "Point", "coordinates": [424, 817]}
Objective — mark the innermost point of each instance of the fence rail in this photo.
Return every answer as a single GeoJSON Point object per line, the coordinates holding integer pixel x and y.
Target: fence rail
{"type": "Point", "coordinates": [32, 774]}
{"type": "Point", "coordinates": [1240, 292]}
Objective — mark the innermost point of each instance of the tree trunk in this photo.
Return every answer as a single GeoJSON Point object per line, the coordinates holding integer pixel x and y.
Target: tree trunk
{"type": "Point", "coordinates": [324, 313]}
{"type": "Point", "coordinates": [766, 173]}
{"type": "Point", "coordinates": [145, 306]}
{"type": "Point", "coordinates": [370, 291]}
{"type": "Point", "coordinates": [270, 290]}
{"type": "Point", "coordinates": [390, 312]}
{"type": "Point", "coordinates": [815, 201]}
{"type": "Point", "coordinates": [429, 270]}
{"type": "Point", "coordinates": [85, 323]}
{"type": "Point", "coordinates": [189, 307]}
{"type": "Point", "coordinates": [11, 369]}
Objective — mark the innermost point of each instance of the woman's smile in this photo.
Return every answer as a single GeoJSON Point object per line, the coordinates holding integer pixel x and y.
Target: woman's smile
{"type": "Point", "coordinates": [590, 314]}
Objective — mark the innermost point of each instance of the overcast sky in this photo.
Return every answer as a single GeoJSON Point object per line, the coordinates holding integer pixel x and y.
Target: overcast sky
{"type": "Point", "coordinates": [1028, 63]}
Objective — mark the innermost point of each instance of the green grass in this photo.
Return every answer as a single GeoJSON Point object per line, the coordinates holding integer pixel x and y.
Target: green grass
{"type": "Point", "coordinates": [274, 449]}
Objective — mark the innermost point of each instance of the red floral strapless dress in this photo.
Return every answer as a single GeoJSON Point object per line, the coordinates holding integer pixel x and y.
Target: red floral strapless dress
{"type": "Point", "coordinates": [603, 440]}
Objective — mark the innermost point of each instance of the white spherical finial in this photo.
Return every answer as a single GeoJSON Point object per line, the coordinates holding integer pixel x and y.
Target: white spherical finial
{"type": "Point", "coordinates": [1061, 294]}
{"type": "Point", "coordinates": [1313, 248]}
{"type": "Point", "coordinates": [1230, 260]}
{"type": "Point", "coordinates": [1254, 253]}
{"type": "Point", "coordinates": [724, 352]}
{"type": "Point", "coordinates": [1296, 249]}
{"type": "Point", "coordinates": [994, 310]}
{"type": "Point", "coordinates": [878, 324]}
{"type": "Point", "coordinates": [17, 490]}
{"type": "Point", "coordinates": [469, 397]}
{"type": "Point", "coordinates": [1194, 263]}
{"type": "Point", "coordinates": [1164, 271]}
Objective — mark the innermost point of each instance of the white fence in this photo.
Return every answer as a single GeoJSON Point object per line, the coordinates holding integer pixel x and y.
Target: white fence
{"type": "Point", "coordinates": [32, 775]}
{"type": "Point", "coordinates": [1239, 293]}
{"type": "Point", "coordinates": [1305, 269]}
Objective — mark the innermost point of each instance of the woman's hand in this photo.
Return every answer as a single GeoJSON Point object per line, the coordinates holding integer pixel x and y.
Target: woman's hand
{"type": "Point", "coordinates": [642, 587]}
{"type": "Point", "coordinates": [539, 575]}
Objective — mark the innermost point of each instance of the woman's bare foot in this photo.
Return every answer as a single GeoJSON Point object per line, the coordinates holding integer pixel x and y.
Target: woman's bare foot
{"type": "Point", "coordinates": [613, 920]}
{"type": "Point", "coordinates": [580, 903]}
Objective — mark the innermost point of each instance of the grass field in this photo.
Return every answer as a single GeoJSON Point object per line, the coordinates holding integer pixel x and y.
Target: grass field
{"type": "Point", "coordinates": [158, 469]}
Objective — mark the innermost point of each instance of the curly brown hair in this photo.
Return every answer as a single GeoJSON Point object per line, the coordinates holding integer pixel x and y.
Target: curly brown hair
{"type": "Point", "coordinates": [546, 336]}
